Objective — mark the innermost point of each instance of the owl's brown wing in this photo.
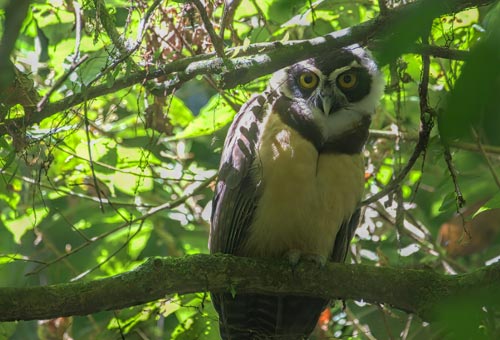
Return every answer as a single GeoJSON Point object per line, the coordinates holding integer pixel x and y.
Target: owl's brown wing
{"type": "Point", "coordinates": [344, 237]}
{"type": "Point", "coordinates": [236, 191]}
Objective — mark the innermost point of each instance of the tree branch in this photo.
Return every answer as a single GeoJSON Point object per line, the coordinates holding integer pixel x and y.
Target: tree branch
{"type": "Point", "coordinates": [415, 291]}
{"type": "Point", "coordinates": [217, 41]}
{"type": "Point", "coordinates": [426, 125]}
{"type": "Point", "coordinates": [15, 12]}
{"type": "Point", "coordinates": [264, 58]}
{"type": "Point", "coordinates": [488, 149]}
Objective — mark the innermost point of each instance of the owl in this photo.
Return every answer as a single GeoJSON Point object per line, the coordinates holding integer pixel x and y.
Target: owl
{"type": "Point", "coordinates": [291, 178]}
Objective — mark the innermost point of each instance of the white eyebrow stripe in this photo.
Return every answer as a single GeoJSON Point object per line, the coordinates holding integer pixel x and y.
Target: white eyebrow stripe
{"type": "Point", "coordinates": [333, 76]}
{"type": "Point", "coordinates": [312, 68]}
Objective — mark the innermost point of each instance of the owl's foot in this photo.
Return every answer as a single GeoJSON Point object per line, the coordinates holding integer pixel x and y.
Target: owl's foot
{"type": "Point", "coordinates": [295, 256]}
{"type": "Point", "coordinates": [320, 260]}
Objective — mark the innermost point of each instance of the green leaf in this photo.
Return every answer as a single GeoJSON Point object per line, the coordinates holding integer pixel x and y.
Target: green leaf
{"type": "Point", "coordinates": [170, 306]}
{"type": "Point", "coordinates": [472, 110]}
{"type": "Point", "coordinates": [18, 227]}
{"type": "Point", "coordinates": [449, 201]}
{"type": "Point", "coordinates": [493, 203]}
{"type": "Point", "coordinates": [7, 161]}
{"type": "Point", "coordinates": [213, 116]}
{"type": "Point", "coordinates": [384, 174]}
{"type": "Point", "coordinates": [137, 244]}
{"type": "Point", "coordinates": [132, 184]}
{"type": "Point", "coordinates": [179, 113]}
{"type": "Point", "coordinates": [7, 329]}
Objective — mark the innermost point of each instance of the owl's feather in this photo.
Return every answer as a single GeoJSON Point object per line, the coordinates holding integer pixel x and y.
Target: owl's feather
{"type": "Point", "coordinates": [236, 194]}
{"type": "Point", "coordinates": [290, 179]}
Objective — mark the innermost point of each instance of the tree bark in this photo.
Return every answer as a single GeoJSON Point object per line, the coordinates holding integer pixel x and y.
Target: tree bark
{"type": "Point", "coordinates": [419, 291]}
{"type": "Point", "coordinates": [393, 33]}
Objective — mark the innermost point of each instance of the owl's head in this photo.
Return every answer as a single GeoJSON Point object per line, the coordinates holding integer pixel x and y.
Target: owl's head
{"type": "Point", "coordinates": [337, 90]}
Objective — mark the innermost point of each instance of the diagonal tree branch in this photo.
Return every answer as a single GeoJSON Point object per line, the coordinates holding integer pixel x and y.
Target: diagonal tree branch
{"type": "Point", "coordinates": [264, 58]}
{"type": "Point", "coordinates": [426, 124]}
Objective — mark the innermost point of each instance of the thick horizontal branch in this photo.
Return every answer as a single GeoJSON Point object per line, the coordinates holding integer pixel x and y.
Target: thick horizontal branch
{"type": "Point", "coordinates": [398, 29]}
{"type": "Point", "coordinates": [411, 290]}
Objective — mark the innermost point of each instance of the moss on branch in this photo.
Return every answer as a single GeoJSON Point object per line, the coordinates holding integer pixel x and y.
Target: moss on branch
{"type": "Point", "coordinates": [419, 291]}
{"type": "Point", "coordinates": [393, 33]}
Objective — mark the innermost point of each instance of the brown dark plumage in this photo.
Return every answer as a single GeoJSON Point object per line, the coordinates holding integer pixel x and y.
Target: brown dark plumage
{"type": "Point", "coordinates": [290, 181]}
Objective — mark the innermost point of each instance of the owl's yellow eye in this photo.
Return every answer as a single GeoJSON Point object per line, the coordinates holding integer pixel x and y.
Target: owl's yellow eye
{"type": "Point", "coordinates": [308, 80]}
{"type": "Point", "coordinates": [347, 80]}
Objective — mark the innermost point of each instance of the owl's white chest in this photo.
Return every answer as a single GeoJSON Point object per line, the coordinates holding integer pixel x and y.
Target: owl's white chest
{"type": "Point", "coordinates": [305, 196]}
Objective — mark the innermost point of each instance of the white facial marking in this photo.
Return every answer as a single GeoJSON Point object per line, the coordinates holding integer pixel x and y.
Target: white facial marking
{"type": "Point", "coordinates": [347, 118]}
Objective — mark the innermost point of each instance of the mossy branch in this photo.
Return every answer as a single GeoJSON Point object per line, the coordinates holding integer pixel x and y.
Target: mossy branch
{"type": "Point", "coordinates": [392, 34]}
{"type": "Point", "coordinates": [419, 291]}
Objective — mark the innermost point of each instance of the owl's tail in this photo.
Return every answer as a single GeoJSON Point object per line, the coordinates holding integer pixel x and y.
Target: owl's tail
{"type": "Point", "coordinates": [263, 317]}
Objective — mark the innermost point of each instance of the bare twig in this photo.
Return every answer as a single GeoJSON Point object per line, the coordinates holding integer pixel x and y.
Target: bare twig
{"type": "Point", "coordinates": [16, 257]}
{"type": "Point", "coordinates": [151, 212]}
{"type": "Point", "coordinates": [75, 194]}
{"type": "Point", "coordinates": [400, 211]}
{"type": "Point", "coordinates": [72, 226]}
{"type": "Point", "coordinates": [406, 330]}
{"type": "Point", "coordinates": [40, 105]}
{"type": "Point", "coordinates": [382, 5]}
{"type": "Point", "coordinates": [384, 314]}
{"type": "Point", "coordinates": [110, 256]}
{"type": "Point", "coordinates": [453, 172]}
{"type": "Point", "coordinates": [488, 149]}
{"type": "Point", "coordinates": [243, 69]}
{"type": "Point", "coordinates": [486, 158]}
{"type": "Point", "coordinates": [108, 24]}
{"type": "Point", "coordinates": [216, 40]}
{"type": "Point", "coordinates": [439, 52]}
{"type": "Point", "coordinates": [426, 124]}
{"type": "Point", "coordinates": [421, 145]}
{"type": "Point", "coordinates": [228, 15]}
{"type": "Point", "coordinates": [143, 25]}
{"type": "Point", "coordinates": [78, 31]}
{"type": "Point", "coordinates": [91, 161]}
{"type": "Point", "coordinates": [364, 331]}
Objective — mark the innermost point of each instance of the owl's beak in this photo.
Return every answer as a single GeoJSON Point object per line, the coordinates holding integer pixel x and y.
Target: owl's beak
{"type": "Point", "coordinates": [328, 103]}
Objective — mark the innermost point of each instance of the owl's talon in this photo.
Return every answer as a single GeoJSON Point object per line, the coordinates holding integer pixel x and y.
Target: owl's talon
{"type": "Point", "coordinates": [295, 256]}
{"type": "Point", "coordinates": [320, 260]}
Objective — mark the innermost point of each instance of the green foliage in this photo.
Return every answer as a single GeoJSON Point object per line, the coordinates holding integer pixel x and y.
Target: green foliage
{"type": "Point", "coordinates": [79, 188]}
{"type": "Point", "coordinates": [216, 114]}
{"type": "Point", "coordinates": [472, 111]}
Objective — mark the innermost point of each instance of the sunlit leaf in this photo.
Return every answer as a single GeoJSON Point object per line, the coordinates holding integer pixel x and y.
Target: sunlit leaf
{"type": "Point", "coordinates": [19, 226]}
{"type": "Point", "coordinates": [472, 108]}
{"type": "Point", "coordinates": [384, 174]}
{"type": "Point", "coordinates": [213, 116]}
{"type": "Point", "coordinates": [179, 113]}
{"type": "Point", "coordinates": [493, 203]}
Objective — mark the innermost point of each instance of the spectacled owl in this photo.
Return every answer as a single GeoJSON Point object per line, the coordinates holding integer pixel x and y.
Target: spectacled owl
{"type": "Point", "coordinates": [290, 181]}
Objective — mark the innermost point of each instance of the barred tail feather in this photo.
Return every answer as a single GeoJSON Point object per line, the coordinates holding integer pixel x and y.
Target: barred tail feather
{"type": "Point", "coordinates": [263, 317]}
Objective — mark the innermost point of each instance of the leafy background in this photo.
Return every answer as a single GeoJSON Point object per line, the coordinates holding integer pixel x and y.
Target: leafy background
{"type": "Point", "coordinates": [94, 189]}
